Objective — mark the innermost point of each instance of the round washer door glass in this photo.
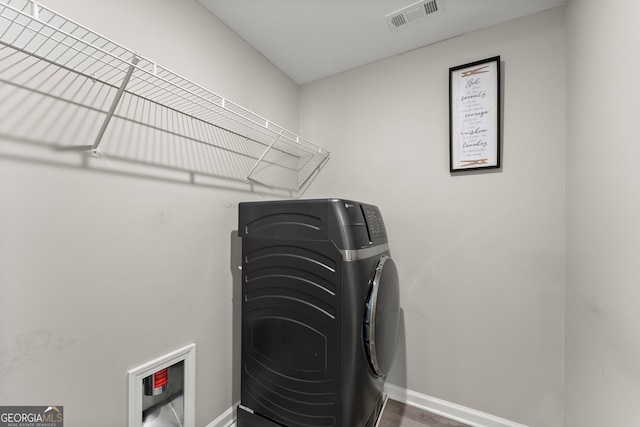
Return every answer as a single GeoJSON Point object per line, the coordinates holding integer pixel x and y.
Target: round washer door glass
{"type": "Point", "coordinates": [382, 317]}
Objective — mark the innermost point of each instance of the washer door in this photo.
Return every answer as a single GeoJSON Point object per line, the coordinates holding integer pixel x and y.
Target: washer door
{"type": "Point", "coordinates": [382, 316]}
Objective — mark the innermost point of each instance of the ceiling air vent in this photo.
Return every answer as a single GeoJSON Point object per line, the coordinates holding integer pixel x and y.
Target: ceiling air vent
{"type": "Point", "coordinates": [414, 12]}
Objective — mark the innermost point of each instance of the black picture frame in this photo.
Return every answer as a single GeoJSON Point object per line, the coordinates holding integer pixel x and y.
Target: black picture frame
{"type": "Point", "coordinates": [474, 115]}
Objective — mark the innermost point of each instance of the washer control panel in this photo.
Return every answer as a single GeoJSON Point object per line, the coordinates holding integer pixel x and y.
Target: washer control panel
{"type": "Point", "coordinates": [375, 225]}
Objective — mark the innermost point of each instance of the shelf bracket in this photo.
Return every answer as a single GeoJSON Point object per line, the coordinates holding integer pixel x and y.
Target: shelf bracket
{"type": "Point", "coordinates": [255, 166]}
{"type": "Point", "coordinates": [315, 172]}
{"type": "Point", "coordinates": [114, 104]}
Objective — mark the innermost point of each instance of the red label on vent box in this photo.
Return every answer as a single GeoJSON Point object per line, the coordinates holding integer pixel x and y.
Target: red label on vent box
{"type": "Point", "coordinates": [161, 378]}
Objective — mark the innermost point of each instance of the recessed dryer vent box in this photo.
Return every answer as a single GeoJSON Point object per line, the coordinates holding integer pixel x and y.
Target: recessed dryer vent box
{"type": "Point", "coordinates": [162, 391]}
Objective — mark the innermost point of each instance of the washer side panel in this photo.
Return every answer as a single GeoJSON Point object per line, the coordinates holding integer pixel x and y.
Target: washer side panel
{"type": "Point", "coordinates": [292, 331]}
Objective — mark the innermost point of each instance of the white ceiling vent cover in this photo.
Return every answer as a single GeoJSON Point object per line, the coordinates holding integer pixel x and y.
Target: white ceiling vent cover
{"type": "Point", "coordinates": [414, 12]}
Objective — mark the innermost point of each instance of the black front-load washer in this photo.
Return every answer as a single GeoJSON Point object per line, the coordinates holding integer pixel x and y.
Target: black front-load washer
{"type": "Point", "coordinates": [320, 312]}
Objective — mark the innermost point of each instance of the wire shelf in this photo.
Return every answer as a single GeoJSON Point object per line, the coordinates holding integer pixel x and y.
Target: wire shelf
{"type": "Point", "coordinates": [66, 85]}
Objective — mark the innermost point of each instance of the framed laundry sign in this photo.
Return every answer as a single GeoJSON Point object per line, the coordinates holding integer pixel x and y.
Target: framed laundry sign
{"type": "Point", "coordinates": [474, 115]}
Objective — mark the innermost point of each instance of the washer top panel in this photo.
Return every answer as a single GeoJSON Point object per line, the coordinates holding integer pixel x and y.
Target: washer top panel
{"type": "Point", "coordinates": [349, 224]}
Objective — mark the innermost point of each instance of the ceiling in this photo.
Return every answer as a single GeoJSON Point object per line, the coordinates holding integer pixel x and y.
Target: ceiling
{"type": "Point", "coordinates": [312, 39]}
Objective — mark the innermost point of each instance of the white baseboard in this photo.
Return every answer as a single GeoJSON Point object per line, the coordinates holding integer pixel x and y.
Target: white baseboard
{"type": "Point", "coordinates": [432, 404]}
{"type": "Point", "coordinates": [227, 419]}
{"type": "Point", "coordinates": [447, 409]}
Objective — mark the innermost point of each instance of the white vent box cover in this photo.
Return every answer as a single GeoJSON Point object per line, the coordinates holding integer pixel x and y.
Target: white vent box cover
{"type": "Point", "coordinates": [414, 13]}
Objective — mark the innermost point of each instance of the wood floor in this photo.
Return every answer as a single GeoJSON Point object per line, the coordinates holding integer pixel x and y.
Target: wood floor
{"type": "Point", "coordinates": [398, 414]}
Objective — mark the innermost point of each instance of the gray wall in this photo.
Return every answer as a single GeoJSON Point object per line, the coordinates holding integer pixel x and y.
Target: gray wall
{"type": "Point", "coordinates": [101, 272]}
{"type": "Point", "coordinates": [481, 256]}
{"type": "Point", "coordinates": [603, 207]}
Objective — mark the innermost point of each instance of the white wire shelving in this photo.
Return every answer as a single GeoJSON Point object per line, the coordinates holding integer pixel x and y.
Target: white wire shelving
{"type": "Point", "coordinates": [64, 85]}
